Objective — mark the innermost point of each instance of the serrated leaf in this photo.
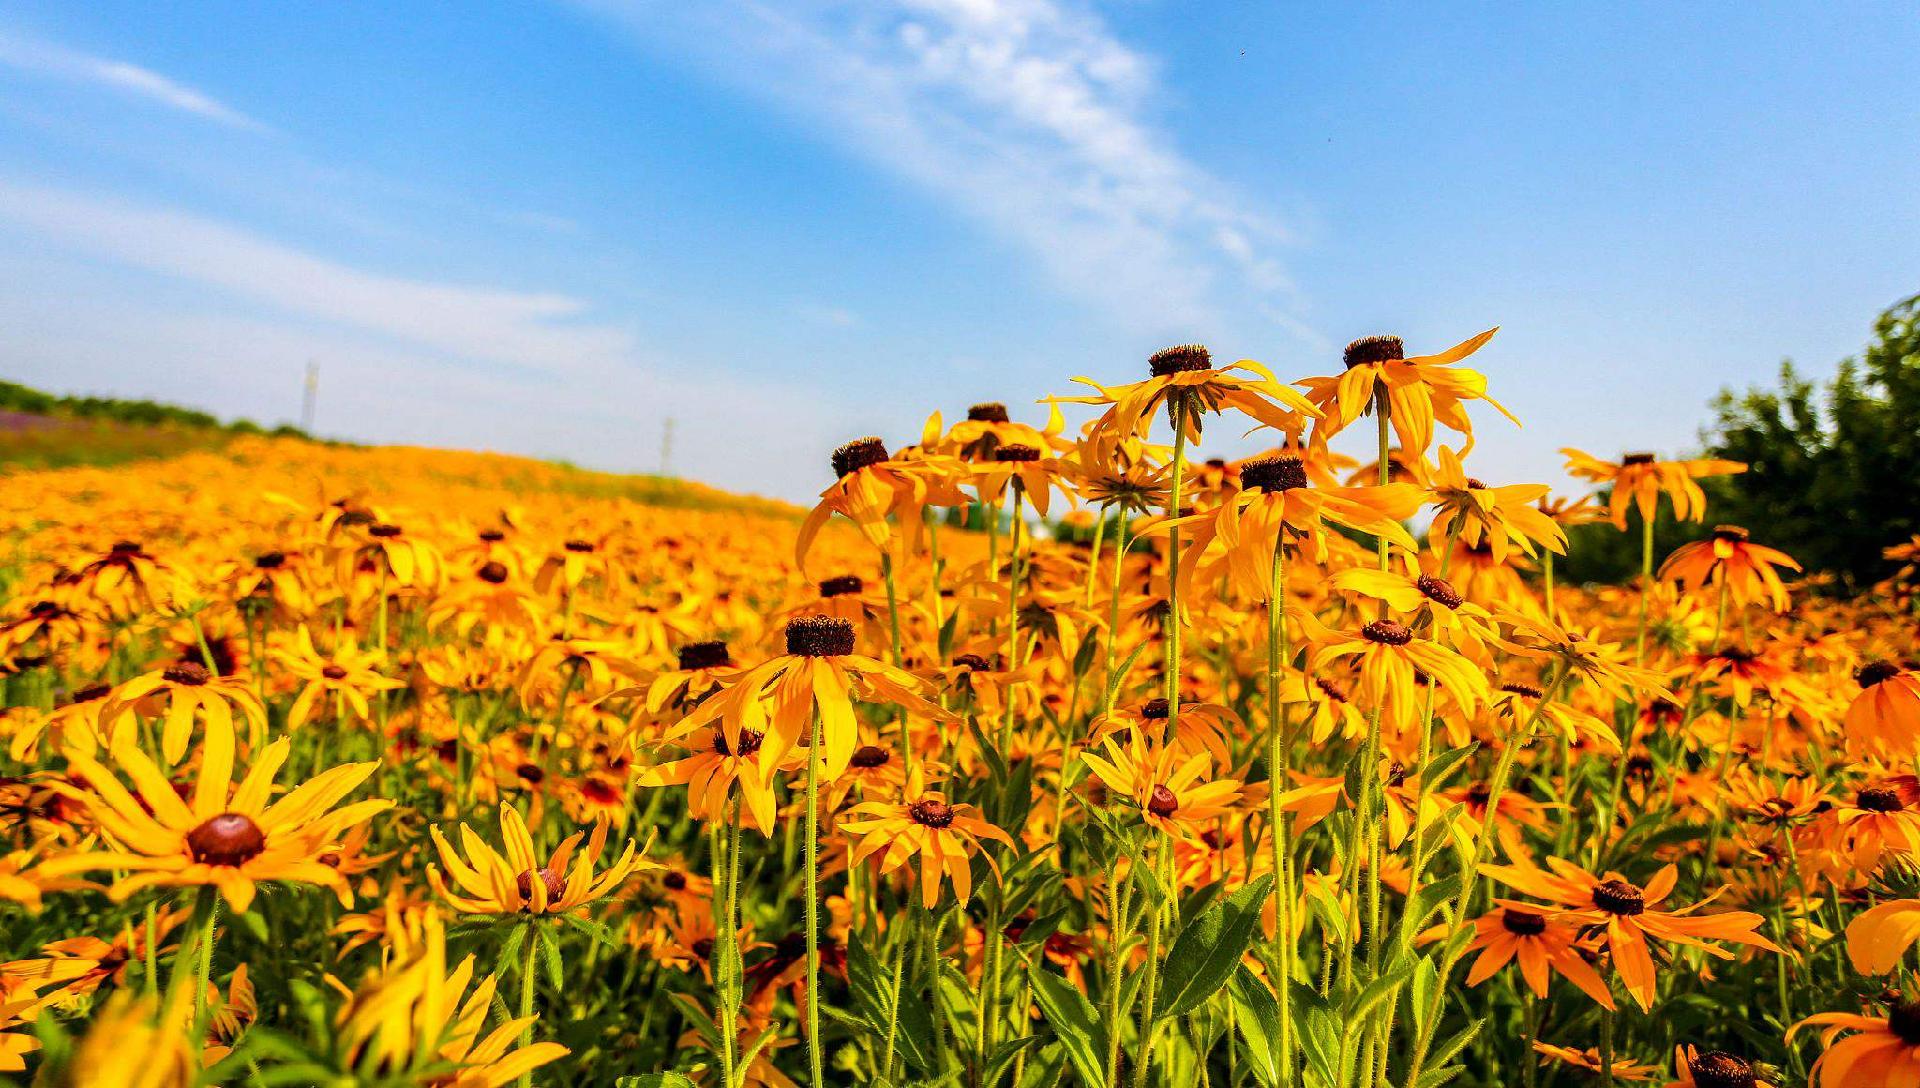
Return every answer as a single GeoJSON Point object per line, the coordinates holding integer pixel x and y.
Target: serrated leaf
{"type": "Point", "coordinates": [1259, 1022]}
{"type": "Point", "coordinates": [1444, 765]}
{"type": "Point", "coordinates": [1209, 949]}
{"type": "Point", "coordinates": [1072, 1018]}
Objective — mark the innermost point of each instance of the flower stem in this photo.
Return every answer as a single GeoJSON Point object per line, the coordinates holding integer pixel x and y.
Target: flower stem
{"type": "Point", "coordinates": [813, 905]}
{"type": "Point", "coordinates": [1278, 759]}
{"type": "Point", "coordinates": [532, 943]}
{"type": "Point", "coordinates": [1149, 987]}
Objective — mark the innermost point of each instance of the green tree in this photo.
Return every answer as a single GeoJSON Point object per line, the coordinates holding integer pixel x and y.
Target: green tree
{"type": "Point", "coordinates": [1834, 467]}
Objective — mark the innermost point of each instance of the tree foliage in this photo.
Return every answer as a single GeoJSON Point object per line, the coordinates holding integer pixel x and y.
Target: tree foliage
{"type": "Point", "coordinates": [1834, 467]}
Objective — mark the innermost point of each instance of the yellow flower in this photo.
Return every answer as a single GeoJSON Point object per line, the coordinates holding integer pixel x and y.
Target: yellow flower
{"type": "Point", "coordinates": [1639, 479]}
{"type": "Point", "coordinates": [184, 689]}
{"type": "Point", "coordinates": [414, 1017]}
{"type": "Point", "coordinates": [346, 672]}
{"type": "Point", "coordinates": [220, 835]}
{"type": "Point", "coordinates": [1171, 796]}
{"type": "Point", "coordinates": [518, 882]}
{"type": "Point", "coordinates": [1419, 390]}
{"type": "Point", "coordinates": [944, 836]}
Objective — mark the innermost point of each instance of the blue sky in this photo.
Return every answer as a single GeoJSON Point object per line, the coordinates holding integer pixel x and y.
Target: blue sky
{"type": "Point", "coordinates": [545, 228]}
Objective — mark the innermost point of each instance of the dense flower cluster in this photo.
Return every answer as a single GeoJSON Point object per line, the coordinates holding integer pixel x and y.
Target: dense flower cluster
{"type": "Point", "coordinates": [404, 767]}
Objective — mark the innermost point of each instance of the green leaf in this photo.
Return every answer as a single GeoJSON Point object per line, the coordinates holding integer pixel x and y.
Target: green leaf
{"type": "Point", "coordinates": [1319, 1033]}
{"type": "Point", "coordinates": [1434, 1078]}
{"type": "Point", "coordinates": [1259, 1024]}
{"type": "Point", "coordinates": [550, 955]}
{"type": "Point", "coordinates": [1426, 978]}
{"type": "Point", "coordinates": [1209, 949]}
{"type": "Point", "coordinates": [1071, 1016]}
{"type": "Point", "coordinates": [655, 1080]}
{"type": "Point", "coordinates": [1442, 766]}
{"type": "Point", "coordinates": [1445, 1052]}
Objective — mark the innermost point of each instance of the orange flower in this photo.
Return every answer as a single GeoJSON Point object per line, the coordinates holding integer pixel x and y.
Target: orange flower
{"type": "Point", "coordinates": [1884, 1052]}
{"type": "Point", "coordinates": [1726, 557]}
{"type": "Point", "coordinates": [944, 836]}
{"type": "Point", "coordinates": [1627, 915]}
{"type": "Point", "coordinates": [1885, 717]}
{"type": "Point", "coordinates": [1639, 479]}
{"type": "Point", "coordinates": [1171, 797]}
{"type": "Point", "coordinates": [1542, 945]}
{"type": "Point", "coordinates": [1714, 1069]}
{"type": "Point", "coordinates": [1419, 390]}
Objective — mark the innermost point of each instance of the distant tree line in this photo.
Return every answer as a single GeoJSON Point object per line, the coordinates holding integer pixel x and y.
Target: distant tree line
{"type": "Point", "coordinates": [15, 397]}
{"type": "Point", "coordinates": [1833, 473]}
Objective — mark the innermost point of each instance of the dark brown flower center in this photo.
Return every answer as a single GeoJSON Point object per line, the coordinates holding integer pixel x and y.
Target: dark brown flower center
{"type": "Point", "coordinates": [191, 673]}
{"type": "Point", "coordinates": [750, 742]}
{"type": "Point", "coordinates": [270, 561]}
{"type": "Point", "coordinates": [1527, 690]}
{"type": "Point", "coordinates": [1876, 672]}
{"type": "Point", "coordinates": [1162, 803]}
{"type": "Point", "coordinates": [492, 571]}
{"type": "Point", "coordinates": [556, 886]}
{"type": "Point", "coordinates": [1439, 590]}
{"type": "Point", "coordinates": [990, 412]}
{"type": "Point", "coordinates": [1373, 349]}
{"type": "Point", "coordinates": [1619, 897]}
{"type": "Point", "coordinates": [1388, 632]}
{"type": "Point", "coordinates": [858, 454]}
{"type": "Point", "coordinates": [492, 536]}
{"type": "Point", "coordinates": [1733, 533]}
{"type": "Point", "coordinates": [91, 692]}
{"type": "Point", "coordinates": [1475, 484]}
{"type": "Point", "coordinates": [229, 839]}
{"type": "Point", "coordinates": [819, 636]}
{"type": "Point", "coordinates": [704, 655]}
{"type": "Point", "coordinates": [125, 547]}
{"type": "Point", "coordinates": [1331, 690]}
{"type": "Point", "coordinates": [841, 586]}
{"type": "Point", "coordinates": [1880, 799]}
{"type": "Point", "coordinates": [674, 882]}
{"type": "Point", "coordinates": [1719, 1069]}
{"type": "Point", "coordinates": [1270, 474]}
{"type": "Point", "coordinates": [579, 547]}
{"type": "Point", "coordinates": [333, 672]}
{"type": "Point", "coordinates": [1637, 459]}
{"type": "Point", "coordinates": [974, 662]}
{"type": "Point", "coordinates": [1523, 922]}
{"type": "Point", "coordinates": [1155, 710]}
{"type": "Point", "coordinates": [703, 948]}
{"type": "Point", "coordinates": [868, 756]}
{"type": "Point", "coordinates": [1179, 359]}
{"type": "Point", "coordinates": [1904, 1022]}
{"type": "Point", "coordinates": [931, 813]}
{"type": "Point", "coordinates": [1013, 451]}
{"type": "Point", "coordinates": [384, 531]}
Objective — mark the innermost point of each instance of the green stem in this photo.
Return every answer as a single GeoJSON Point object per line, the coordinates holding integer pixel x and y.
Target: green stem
{"type": "Point", "coordinates": [532, 943]}
{"type": "Point", "coordinates": [1278, 760]}
{"type": "Point", "coordinates": [1150, 986]}
{"type": "Point", "coordinates": [813, 906]}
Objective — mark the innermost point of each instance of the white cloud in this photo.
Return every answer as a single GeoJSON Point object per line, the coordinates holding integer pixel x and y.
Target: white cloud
{"type": "Point", "coordinates": [402, 359]}
{"type": "Point", "coordinates": [58, 62]}
{"type": "Point", "coordinates": [1028, 114]}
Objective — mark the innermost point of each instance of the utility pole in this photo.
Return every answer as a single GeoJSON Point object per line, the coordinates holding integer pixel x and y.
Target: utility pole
{"type": "Point", "coordinates": [311, 395]}
{"type": "Point", "coordinates": [666, 448]}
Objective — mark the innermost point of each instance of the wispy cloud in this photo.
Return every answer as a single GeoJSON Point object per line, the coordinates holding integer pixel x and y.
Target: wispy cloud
{"type": "Point", "coordinates": [1031, 115]}
{"type": "Point", "coordinates": [59, 62]}
{"type": "Point", "coordinates": [834, 317]}
{"type": "Point", "coordinates": [406, 359]}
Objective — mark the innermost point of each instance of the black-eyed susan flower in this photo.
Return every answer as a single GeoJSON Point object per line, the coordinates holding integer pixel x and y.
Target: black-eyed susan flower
{"type": "Point", "coordinates": [1419, 390]}
{"type": "Point", "coordinates": [1880, 1052]}
{"type": "Point", "coordinates": [180, 692]}
{"type": "Point", "coordinates": [819, 675]}
{"type": "Point", "coordinates": [923, 824]}
{"type": "Point", "coordinates": [514, 880]}
{"type": "Point", "coordinates": [227, 836]}
{"type": "Point", "coordinates": [1638, 480]}
{"type": "Point", "coordinates": [1627, 915]}
{"type": "Point", "coordinates": [1728, 558]}
{"type": "Point", "coordinates": [347, 674]}
{"type": "Point", "coordinates": [1176, 796]}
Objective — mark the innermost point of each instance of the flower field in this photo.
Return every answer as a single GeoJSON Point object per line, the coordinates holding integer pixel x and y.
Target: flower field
{"type": "Point", "coordinates": [1037, 753]}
